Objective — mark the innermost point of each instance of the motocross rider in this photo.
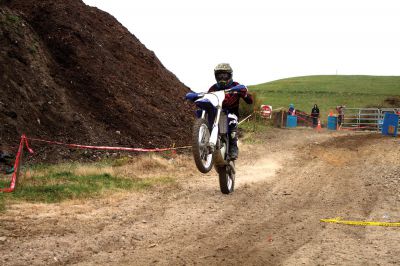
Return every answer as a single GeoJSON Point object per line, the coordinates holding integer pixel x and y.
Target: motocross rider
{"type": "Point", "coordinates": [223, 76]}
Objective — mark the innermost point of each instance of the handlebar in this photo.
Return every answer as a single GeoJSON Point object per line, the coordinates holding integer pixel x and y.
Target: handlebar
{"type": "Point", "coordinates": [192, 96]}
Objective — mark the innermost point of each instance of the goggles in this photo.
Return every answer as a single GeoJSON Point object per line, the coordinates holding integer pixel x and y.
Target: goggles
{"type": "Point", "coordinates": [222, 76]}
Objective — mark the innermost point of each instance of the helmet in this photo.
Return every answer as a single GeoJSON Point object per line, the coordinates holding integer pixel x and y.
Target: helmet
{"type": "Point", "coordinates": [223, 74]}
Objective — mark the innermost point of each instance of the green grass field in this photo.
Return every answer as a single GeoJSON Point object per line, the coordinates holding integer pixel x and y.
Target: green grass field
{"type": "Point", "coordinates": [56, 183]}
{"type": "Point", "coordinates": [328, 92]}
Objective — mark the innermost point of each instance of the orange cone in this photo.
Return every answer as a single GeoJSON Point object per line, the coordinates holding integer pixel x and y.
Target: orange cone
{"type": "Point", "coordinates": [319, 125]}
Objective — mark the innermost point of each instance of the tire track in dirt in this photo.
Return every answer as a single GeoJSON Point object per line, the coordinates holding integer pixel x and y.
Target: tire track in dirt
{"type": "Point", "coordinates": [284, 187]}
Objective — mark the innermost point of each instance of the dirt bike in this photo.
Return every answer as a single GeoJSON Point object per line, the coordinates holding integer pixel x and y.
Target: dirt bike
{"type": "Point", "coordinates": [210, 136]}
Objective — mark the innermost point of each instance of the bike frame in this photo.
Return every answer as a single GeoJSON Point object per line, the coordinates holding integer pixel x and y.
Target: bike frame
{"type": "Point", "coordinates": [213, 101]}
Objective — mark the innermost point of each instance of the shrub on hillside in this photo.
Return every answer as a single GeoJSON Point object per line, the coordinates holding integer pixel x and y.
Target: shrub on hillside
{"type": "Point", "coordinates": [393, 101]}
{"type": "Point", "coordinates": [247, 109]}
{"type": "Point", "coordinates": [389, 102]}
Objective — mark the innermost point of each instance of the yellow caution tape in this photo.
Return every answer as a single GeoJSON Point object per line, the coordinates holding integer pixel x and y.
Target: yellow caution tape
{"type": "Point", "coordinates": [361, 223]}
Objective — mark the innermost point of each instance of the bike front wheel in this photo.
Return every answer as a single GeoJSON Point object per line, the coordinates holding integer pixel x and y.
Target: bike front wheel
{"type": "Point", "coordinates": [203, 157]}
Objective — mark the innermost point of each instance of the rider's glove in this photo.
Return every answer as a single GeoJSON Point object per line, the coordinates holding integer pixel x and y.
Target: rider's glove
{"type": "Point", "coordinates": [243, 92]}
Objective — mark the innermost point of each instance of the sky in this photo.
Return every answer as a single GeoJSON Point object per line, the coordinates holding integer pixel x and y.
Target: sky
{"type": "Point", "coordinates": [265, 40]}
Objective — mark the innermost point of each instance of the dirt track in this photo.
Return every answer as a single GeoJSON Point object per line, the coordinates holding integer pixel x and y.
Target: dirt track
{"type": "Point", "coordinates": [284, 187]}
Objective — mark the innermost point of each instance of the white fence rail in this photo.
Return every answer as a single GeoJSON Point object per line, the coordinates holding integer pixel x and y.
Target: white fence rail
{"type": "Point", "coordinates": [365, 118]}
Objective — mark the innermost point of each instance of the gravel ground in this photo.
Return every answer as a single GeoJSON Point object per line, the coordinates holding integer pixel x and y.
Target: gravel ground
{"type": "Point", "coordinates": [285, 185]}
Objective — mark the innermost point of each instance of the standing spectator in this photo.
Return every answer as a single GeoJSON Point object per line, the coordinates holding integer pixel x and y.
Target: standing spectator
{"type": "Point", "coordinates": [340, 111]}
{"type": "Point", "coordinates": [291, 111]}
{"type": "Point", "coordinates": [315, 115]}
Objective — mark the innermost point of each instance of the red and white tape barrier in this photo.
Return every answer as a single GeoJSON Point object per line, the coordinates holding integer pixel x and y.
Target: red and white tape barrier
{"type": "Point", "coordinates": [245, 119]}
{"type": "Point", "coordinates": [78, 146]}
{"type": "Point", "coordinates": [304, 114]}
{"type": "Point", "coordinates": [17, 164]}
{"type": "Point", "coordinates": [301, 118]}
{"type": "Point", "coordinates": [24, 142]}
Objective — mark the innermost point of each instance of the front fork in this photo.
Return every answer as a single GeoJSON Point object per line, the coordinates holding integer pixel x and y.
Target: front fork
{"type": "Point", "coordinates": [214, 131]}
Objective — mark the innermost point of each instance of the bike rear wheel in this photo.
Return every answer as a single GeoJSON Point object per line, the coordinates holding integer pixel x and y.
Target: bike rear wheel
{"type": "Point", "coordinates": [203, 157]}
{"type": "Point", "coordinates": [226, 176]}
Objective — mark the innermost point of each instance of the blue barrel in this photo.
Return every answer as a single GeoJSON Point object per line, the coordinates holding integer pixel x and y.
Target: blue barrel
{"type": "Point", "coordinates": [390, 124]}
{"type": "Point", "coordinates": [291, 121]}
{"type": "Point", "coordinates": [332, 122]}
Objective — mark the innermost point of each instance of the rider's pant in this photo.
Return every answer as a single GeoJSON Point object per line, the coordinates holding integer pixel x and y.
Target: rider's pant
{"type": "Point", "coordinates": [233, 125]}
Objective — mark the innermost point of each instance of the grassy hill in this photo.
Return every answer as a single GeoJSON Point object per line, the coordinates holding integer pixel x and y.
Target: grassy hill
{"type": "Point", "coordinates": [328, 92]}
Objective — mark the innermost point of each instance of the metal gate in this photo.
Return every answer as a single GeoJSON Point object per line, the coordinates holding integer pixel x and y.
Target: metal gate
{"type": "Point", "coordinates": [365, 118]}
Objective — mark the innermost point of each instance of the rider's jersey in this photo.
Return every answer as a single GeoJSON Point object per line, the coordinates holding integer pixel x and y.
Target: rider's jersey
{"type": "Point", "coordinates": [231, 102]}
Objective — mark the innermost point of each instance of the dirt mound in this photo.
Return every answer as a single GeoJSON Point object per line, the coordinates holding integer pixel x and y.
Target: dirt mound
{"type": "Point", "coordinates": [71, 72]}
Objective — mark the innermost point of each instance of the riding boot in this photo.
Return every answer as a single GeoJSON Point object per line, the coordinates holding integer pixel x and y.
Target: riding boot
{"type": "Point", "coordinates": [233, 148]}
